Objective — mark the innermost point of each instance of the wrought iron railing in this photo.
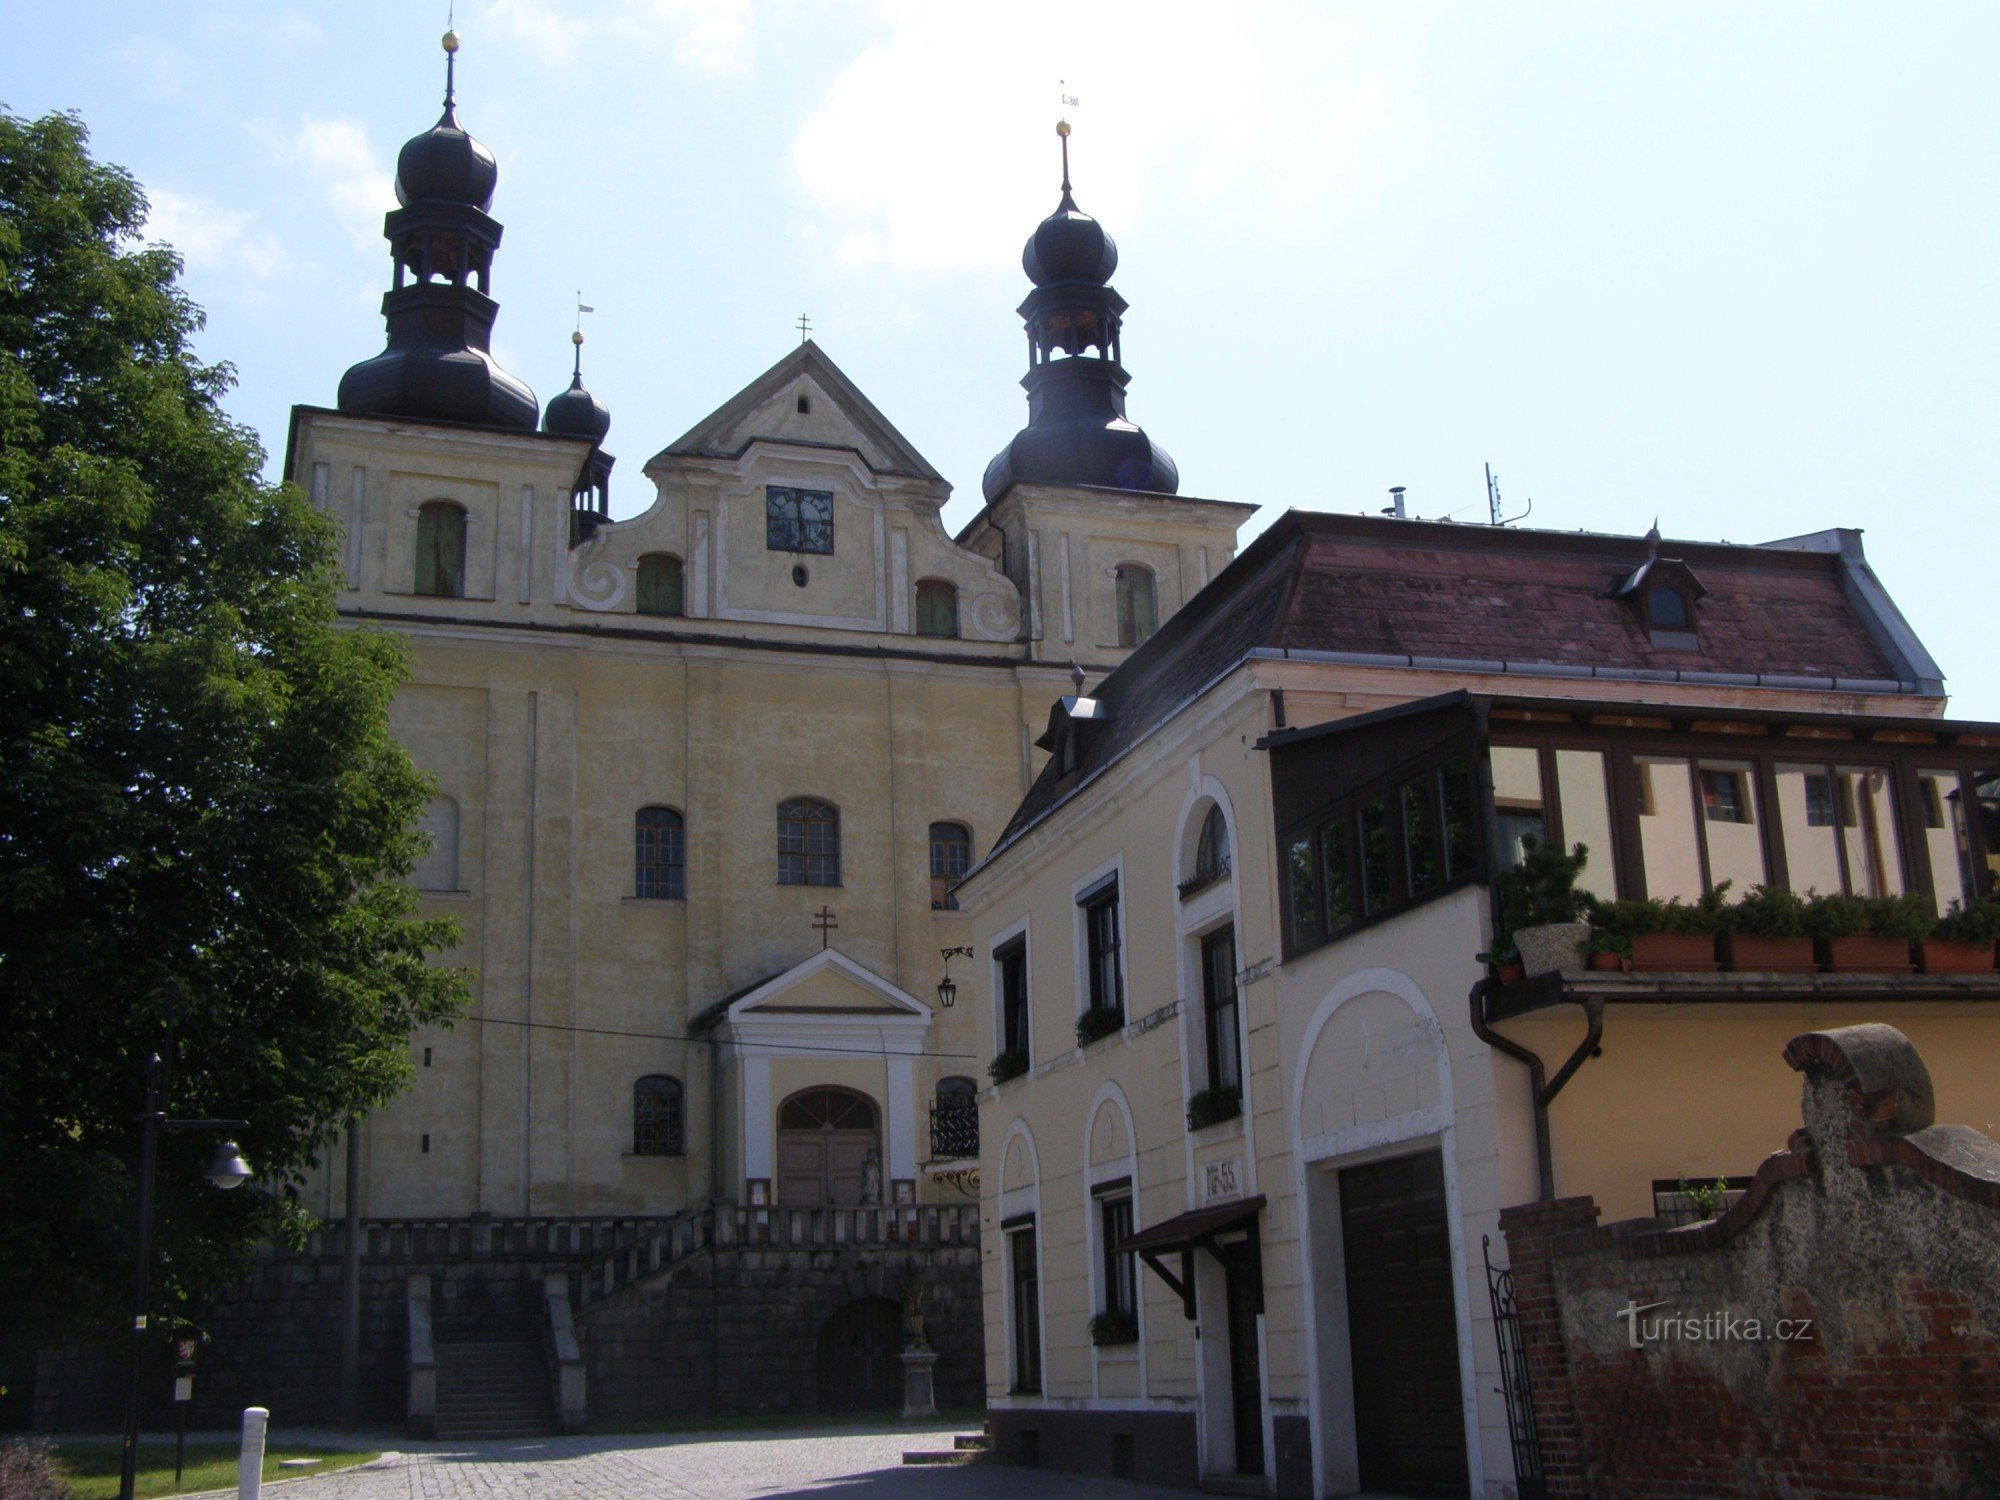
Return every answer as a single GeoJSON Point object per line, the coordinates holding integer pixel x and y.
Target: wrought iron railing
{"type": "Point", "coordinates": [1522, 1433]}
{"type": "Point", "coordinates": [954, 1129]}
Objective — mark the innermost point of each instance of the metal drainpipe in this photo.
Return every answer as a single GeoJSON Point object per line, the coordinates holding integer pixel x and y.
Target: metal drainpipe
{"type": "Point", "coordinates": [1543, 1092]}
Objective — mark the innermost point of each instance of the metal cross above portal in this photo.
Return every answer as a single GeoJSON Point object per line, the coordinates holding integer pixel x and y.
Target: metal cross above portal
{"type": "Point", "coordinates": [824, 924]}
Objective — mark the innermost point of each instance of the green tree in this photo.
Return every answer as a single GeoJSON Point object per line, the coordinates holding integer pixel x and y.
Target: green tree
{"type": "Point", "coordinates": [204, 820]}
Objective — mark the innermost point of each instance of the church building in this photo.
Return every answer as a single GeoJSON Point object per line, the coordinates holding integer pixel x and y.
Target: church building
{"type": "Point", "coordinates": [706, 779]}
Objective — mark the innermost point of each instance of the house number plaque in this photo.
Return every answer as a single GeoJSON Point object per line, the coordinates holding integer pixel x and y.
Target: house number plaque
{"type": "Point", "coordinates": [1222, 1179]}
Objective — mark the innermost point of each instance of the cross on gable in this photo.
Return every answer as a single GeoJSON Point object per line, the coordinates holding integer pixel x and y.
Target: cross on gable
{"type": "Point", "coordinates": [824, 924]}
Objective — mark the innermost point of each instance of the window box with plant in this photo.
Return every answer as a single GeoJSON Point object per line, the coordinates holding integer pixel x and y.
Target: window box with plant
{"type": "Point", "coordinates": [1011, 1063]}
{"type": "Point", "coordinates": [1964, 940]}
{"type": "Point", "coordinates": [1767, 933]}
{"type": "Point", "coordinates": [1114, 1327]}
{"type": "Point", "coordinates": [1214, 1105]}
{"type": "Point", "coordinates": [1098, 1022]}
{"type": "Point", "coordinates": [1660, 936]}
{"type": "Point", "coordinates": [1869, 934]}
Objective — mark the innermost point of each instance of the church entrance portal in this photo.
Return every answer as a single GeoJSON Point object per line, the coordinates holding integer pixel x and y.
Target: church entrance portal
{"type": "Point", "coordinates": [825, 1137]}
{"type": "Point", "coordinates": [858, 1365]}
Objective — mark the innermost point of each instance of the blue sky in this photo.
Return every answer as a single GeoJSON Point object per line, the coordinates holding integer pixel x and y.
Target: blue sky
{"type": "Point", "coordinates": [1731, 265]}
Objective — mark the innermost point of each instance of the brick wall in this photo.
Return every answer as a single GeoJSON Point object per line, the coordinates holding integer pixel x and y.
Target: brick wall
{"type": "Point", "coordinates": [1837, 1333]}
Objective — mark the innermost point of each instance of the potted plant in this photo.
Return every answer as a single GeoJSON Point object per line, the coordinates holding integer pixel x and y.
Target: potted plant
{"type": "Point", "coordinates": [1098, 1021]}
{"type": "Point", "coordinates": [1504, 962]}
{"type": "Point", "coordinates": [1114, 1328]}
{"type": "Point", "coordinates": [1767, 932]}
{"type": "Point", "coordinates": [1541, 910]}
{"type": "Point", "coordinates": [1964, 940]}
{"type": "Point", "coordinates": [1663, 936]}
{"type": "Point", "coordinates": [1009, 1064]}
{"type": "Point", "coordinates": [1869, 934]}
{"type": "Point", "coordinates": [1607, 952]}
{"type": "Point", "coordinates": [1214, 1105]}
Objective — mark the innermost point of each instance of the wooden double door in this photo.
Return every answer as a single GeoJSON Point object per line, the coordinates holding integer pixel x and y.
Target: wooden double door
{"type": "Point", "coordinates": [825, 1138]}
{"type": "Point", "coordinates": [1402, 1320]}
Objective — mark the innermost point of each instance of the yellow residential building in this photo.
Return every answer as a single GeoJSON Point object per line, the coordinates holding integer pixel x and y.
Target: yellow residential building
{"type": "Point", "coordinates": [1258, 1102]}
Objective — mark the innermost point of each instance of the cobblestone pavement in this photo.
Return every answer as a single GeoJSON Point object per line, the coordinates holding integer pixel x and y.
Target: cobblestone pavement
{"type": "Point", "coordinates": [841, 1464]}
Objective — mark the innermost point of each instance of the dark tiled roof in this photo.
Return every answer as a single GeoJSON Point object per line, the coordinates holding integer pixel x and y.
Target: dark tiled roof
{"type": "Point", "coordinates": [1547, 600]}
{"type": "Point", "coordinates": [1371, 587]}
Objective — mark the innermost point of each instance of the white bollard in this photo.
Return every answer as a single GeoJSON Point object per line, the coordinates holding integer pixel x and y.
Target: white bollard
{"type": "Point", "coordinates": [250, 1464]}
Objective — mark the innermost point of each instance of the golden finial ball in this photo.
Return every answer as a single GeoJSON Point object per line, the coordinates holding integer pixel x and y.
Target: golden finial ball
{"type": "Point", "coordinates": [577, 337]}
{"type": "Point", "coordinates": [1062, 128]}
{"type": "Point", "coordinates": [451, 41]}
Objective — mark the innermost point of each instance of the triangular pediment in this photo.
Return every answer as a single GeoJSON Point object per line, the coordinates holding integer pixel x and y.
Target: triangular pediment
{"type": "Point", "coordinates": [803, 400]}
{"type": "Point", "coordinates": [833, 986]}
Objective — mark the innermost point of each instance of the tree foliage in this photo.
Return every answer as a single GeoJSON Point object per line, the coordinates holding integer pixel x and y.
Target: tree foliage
{"type": "Point", "coordinates": [204, 820]}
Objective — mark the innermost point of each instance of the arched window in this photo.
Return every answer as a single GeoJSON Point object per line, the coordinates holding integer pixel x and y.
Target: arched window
{"type": "Point", "coordinates": [437, 867]}
{"type": "Point", "coordinates": [827, 1109]}
{"type": "Point", "coordinates": [658, 855]}
{"type": "Point", "coordinates": [808, 842]}
{"type": "Point", "coordinates": [441, 549]}
{"type": "Point", "coordinates": [951, 857]}
{"type": "Point", "coordinates": [656, 1116]}
{"type": "Point", "coordinates": [955, 1119]}
{"type": "Point", "coordinates": [1138, 608]}
{"type": "Point", "coordinates": [660, 584]}
{"type": "Point", "coordinates": [937, 608]}
{"type": "Point", "coordinates": [1211, 851]}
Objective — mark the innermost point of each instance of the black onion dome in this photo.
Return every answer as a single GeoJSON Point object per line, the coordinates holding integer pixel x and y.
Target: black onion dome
{"type": "Point", "coordinates": [445, 165]}
{"type": "Point", "coordinates": [577, 413]}
{"type": "Point", "coordinates": [1069, 245]}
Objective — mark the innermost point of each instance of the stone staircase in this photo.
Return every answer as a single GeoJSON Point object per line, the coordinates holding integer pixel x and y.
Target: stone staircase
{"type": "Point", "coordinates": [657, 1252]}
{"type": "Point", "coordinates": [966, 1448]}
{"type": "Point", "coordinates": [494, 1388]}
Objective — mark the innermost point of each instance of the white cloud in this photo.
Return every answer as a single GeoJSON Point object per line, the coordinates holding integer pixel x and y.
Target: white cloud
{"type": "Point", "coordinates": [935, 149]}
{"type": "Point", "coordinates": [711, 35]}
{"type": "Point", "coordinates": [358, 186]}
{"type": "Point", "coordinates": [209, 237]}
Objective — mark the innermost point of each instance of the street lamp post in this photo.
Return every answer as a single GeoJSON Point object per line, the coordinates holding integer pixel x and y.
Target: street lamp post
{"type": "Point", "coordinates": [226, 1169]}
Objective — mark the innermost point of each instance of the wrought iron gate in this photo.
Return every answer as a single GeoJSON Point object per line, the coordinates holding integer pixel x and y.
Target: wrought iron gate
{"type": "Point", "coordinates": [1522, 1433]}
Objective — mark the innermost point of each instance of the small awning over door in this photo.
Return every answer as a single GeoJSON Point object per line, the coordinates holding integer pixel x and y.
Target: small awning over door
{"type": "Point", "coordinates": [1186, 1233]}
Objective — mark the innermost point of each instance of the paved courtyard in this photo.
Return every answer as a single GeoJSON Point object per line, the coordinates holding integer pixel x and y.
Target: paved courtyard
{"type": "Point", "coordinates": [848, 1463]}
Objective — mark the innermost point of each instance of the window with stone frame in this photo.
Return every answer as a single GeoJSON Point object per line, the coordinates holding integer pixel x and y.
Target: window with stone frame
{"type": "Point", "coordinates": [1120, 1288]}
{"type": "Point", "coordinates": [660, 590]}
{"type": "Point", "coordinates": [951, 857]}
{"type": "Point", "coordinates": [1103, 973]}
{"type": "Point", "coordinates": [657, 1116]}
{"type": "Point", "coordinates": [1138, 604]}
{"type": "Point", "coordinates": [659, 855]}
{"type": "Point", "coordinates": [808, 842]}
{"type": "Point", "coordinates": [937, 608]}
{"type": "Point", "coordinates": [440, 550]}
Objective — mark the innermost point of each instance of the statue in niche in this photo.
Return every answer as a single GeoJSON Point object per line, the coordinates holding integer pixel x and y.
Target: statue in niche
{"type": "Point", "coordinates": [871, 1180]}
{"type": "Point", "coordinates": [916, 1291]}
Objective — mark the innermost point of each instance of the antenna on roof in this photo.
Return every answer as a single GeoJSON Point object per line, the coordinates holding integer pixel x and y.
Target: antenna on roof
{"type": "Point", "coordinates": [1493, 506]}
{"type": "Point", "coordinates": [1395, 505]}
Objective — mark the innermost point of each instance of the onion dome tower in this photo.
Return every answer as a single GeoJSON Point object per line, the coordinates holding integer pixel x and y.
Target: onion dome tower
{"type": "Point", "coordinates": [1077, 430]}
{"type": "Point", "coordinates": [438, 365]}
{"type": "Point", "coordinates": [578, 414]}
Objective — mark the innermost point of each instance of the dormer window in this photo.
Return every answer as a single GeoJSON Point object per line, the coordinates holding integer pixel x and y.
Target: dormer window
{"type": "Point", "coordinates": [1667, 609]}
{"type": "Point", "coordinates": [1663, 592]}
